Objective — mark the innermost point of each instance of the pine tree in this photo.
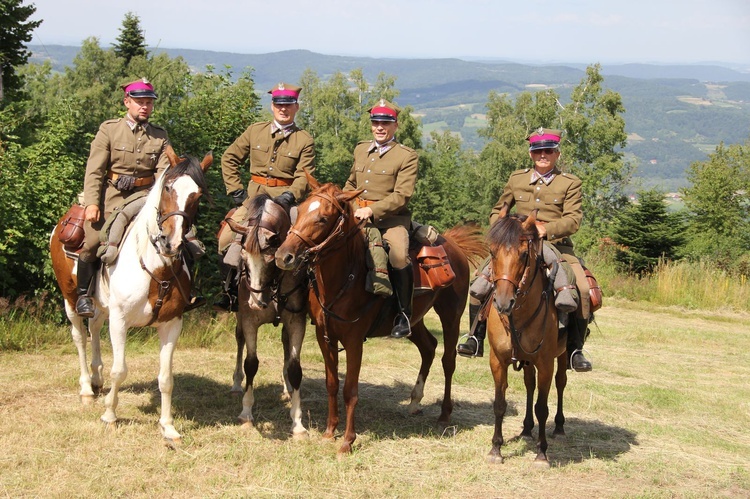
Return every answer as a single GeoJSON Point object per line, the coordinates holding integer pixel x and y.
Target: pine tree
{"type": "Point", "coordinates": [15, 31]}
{"type": "Point", "coordinates": [647, 232]}
{"type": "Point", "coordinates": [132, 41]}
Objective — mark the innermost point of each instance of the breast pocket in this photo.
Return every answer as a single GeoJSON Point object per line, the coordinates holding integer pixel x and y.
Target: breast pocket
{"type": "Point", "coordinates": [124, 154]}
{"type": "Point", "coordinates": [553, 203]}
{"type": "Point", "coordinates": [287, 161]}
{"type": "Point", "coordinates": [152, 156]}
{"type": "Point", "coordinates": [259, 154]}
{"type": "Point", "coordinates": [388, 170]}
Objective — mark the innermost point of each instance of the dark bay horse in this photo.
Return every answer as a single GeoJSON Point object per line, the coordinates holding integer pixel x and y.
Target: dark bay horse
{"type": "Point", "coordinates": [268, 295]}
{"type": "Point", "coordinates": [522, 328]}
{"type": "Point", "coordinates": [328, 239]}
{"type": "Point", "coordinates": [147, 285]}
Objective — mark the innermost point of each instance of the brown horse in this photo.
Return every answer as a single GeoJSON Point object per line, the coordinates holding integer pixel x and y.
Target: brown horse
{"type": "Point", "coordinates": [268, 295]}
{"type": "Point", "coordinates": [328, 239]}
{"type": "Point", "coordinates": [522, 328]}
{"type": "Point", "coordinates": [148, 284]}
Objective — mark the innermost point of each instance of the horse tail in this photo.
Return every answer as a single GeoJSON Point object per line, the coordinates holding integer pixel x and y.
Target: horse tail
{"type": "Point", "coordinates": [470, 239]}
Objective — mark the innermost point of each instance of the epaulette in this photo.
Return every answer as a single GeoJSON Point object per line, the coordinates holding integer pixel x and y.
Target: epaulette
{"type": "Point", "coordinates": [113, 120]}
{"type": "Point", "coordinates": [157, 126]}
{"type": "Point", "coordinates": [406, 147]}
{"type": "Point", "coordinates": [364, 142]}
{"type": "Point", "coordinates": [520, 172]}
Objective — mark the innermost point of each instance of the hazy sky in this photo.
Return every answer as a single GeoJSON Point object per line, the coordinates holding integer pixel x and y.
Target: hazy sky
{"type": "Point", "coordinates": [583, 31]}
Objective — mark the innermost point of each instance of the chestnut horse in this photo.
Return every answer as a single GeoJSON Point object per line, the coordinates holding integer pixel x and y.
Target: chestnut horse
{"type": "Point", "coordinates": [148, 284]}
{"type": "Point", "coordinates": [269, 296]}
{"type": "Point", "coordinates": [328, 239]}
{"type": "Point", "coordinates": [522, 327]}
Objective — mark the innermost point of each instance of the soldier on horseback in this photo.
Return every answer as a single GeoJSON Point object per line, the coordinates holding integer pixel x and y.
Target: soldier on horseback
{"type": "Point", "coordinates": [557, 196]}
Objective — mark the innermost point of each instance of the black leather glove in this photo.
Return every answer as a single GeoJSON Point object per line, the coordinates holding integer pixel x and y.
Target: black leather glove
{"type": "Point", "coordinates": [239, 196]}
{"type": "Point", "coordinates": [286, 199]}
{"type": "Point", "coordinates": [124, 183]}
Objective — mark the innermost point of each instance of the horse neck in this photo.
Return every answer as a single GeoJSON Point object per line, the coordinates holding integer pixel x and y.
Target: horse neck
{"type": "Point", "coordinates": [334, 267]}
{"type": "Point", "coordinates": [146, 225]}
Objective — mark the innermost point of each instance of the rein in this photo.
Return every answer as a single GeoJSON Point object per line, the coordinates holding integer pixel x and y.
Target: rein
{"type": "Point", "coordinates": [316, 252]}
{"type": "Point", "coordinates": [521, 292]}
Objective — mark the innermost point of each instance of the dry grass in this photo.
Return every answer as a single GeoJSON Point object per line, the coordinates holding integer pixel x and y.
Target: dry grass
{"type": "Point", "coordinates": [664, 414]}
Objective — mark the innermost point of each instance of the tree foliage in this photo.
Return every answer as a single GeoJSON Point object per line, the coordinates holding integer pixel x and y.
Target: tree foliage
{"type": "Point", "coordinates": [15, 31]}
{"type": "Point", "coordinates": [646, 232]}
{"type": "Point", "coordinates": [131, 42]}
{"type": "Point", "coordinates": [719, 205]}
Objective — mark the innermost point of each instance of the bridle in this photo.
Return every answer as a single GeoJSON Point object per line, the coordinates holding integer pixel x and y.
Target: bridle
{"type": "Point", "coordinates": [522, 288]}
{"type": "Point", "coordinates": [315, 252]}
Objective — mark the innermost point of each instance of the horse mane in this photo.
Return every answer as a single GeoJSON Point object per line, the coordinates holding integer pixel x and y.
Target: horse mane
{"type": "Point", "coordinates": [189, 165]}
{"type": "Point", "coordinates": [507, 231]}
{"type": "Point", "coordinates": [254, 215]}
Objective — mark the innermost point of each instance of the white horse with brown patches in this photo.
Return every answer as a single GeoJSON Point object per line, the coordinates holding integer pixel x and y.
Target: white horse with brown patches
{"type": "Point", "coordinates": [148, 285]}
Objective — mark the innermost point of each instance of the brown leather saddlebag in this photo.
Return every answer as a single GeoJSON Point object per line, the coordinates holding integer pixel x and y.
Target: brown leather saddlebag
{"type": "Point", "coordinates": [435, 267]}
{"type": "Point", "coordinates": [70, 230]}
{"type": "Point", "coordinates": [223, 223]}
{"type": "Point", "coordinates": [595, 292]}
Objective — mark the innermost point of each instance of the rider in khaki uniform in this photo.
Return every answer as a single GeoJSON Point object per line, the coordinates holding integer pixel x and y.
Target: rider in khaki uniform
{"type": "Point", "coordinates": [126, 155]}
{"type": "Point", "coordinates": [387, 171]}
{"type": "Point", "coordinates": [557, 196]}
{"type": "Point", "coordinates": [279, 152]}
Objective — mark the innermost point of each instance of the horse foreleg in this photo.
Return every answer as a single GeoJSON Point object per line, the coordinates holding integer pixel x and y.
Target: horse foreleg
{"type": "Point", "coordinates": [249, 332]}
{"type": "Point", "coordinates": [545, 373]}
{"type": "Point", "coordinates": [529, 380]}
{"type": "Point", "coordinates": [351, 393]}
{"type": "Point", "coordinates": [331, 359]}
{"type": "Point", "coordinates": [426, 344]}
{"type": "Point", "coordinates": [77, 329]}
{"type": "Point", "coordinates": [295, 334]}
{"type": "Point", "coordinates": [97, 366]}
{"type": "Point", "coordinates": [117, 332]}
{"type": "Point", "coordinates": [238, 376]}
{"type": "Point", "coordinates": [499, 406]}
{"type": "Point", "coordinates": [169, 332]}
{"type": "Point", "coordinates": [561, 380]}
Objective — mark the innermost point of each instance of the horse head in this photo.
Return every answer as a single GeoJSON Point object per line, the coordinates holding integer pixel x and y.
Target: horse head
{"type": "Point", "coordinates": [324, 218]}
{"type": "Point", "coordinates": [514, 248]}
{"type": "Point", "coordinates": [267, 227]}
{"type": "Point", "coordinates": [180, 188]}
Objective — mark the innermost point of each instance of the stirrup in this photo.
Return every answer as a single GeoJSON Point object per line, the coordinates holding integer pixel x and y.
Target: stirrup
{"type": "Point", "coordinates": [570, 362]}
{"type": "Point", "coordinates": [467, 353]}
{"type": "Point", "coordinates": [401, 333]}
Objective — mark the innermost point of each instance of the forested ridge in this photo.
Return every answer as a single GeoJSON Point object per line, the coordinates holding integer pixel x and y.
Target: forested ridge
{"type": "Point", "coordinates": [49, 115]}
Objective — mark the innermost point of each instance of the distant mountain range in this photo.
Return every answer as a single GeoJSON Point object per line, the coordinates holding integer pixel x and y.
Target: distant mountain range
{"type": "Point", "coordinates": [675, 114]}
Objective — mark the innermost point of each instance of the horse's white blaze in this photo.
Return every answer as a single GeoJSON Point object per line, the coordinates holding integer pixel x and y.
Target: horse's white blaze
{"type": "Point", "coordinates": [314, 206]}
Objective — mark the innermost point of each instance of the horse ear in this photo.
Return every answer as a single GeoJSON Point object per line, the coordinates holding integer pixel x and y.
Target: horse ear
{"type": "Point", "coordinates": [173, 158]}
{"type": "Point", "coordinates": [208, 159]}
{"type": "Point", "coordinates": [347, 196]}
{"type": "Point", "coordinates": [503, 211]}
{"type": "Point", "coordinates": [314, 184]}
{"type": "Point", "coordinates": [238, 228]}
{"type": "Point", "coordinates": [530, 220]}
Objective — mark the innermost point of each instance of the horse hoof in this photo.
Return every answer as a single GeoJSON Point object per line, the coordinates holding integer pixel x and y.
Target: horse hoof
{"type": "Point", "coordinates": [300, 435]}
{"type": "Point", "coordinates": [88, 399]}
{"type": "Point", "coordinates": [494, 459]}
{"type": "Point", "coordinates": [173, 443]}
{"type": "Point", "coordinates": [541, 464]}
{"type": "Point", "coordinates": [246, 424]}
{"type": "Point", "coordinates": [237, 392]}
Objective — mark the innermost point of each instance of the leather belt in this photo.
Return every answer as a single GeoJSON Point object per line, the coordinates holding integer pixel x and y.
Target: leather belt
{"type": "Point", "coordinates": [364, 203]}
{"type": "Point", "coordinates": [271, 181]}
{"type": "Point", "coordinates": [139, 182]}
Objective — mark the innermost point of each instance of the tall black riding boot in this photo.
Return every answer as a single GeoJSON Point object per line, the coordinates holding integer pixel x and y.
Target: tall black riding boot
{"type": "Point", "coordinates": [403, 285]}
{"type": "Point", "coordinates": [474, 344]}
{"type": "Point", "coordinates": [577, 332]}
{"type": "Point", "coordinates": [86, 274]}
{"type": "Point", "coordinates": [227, 302]}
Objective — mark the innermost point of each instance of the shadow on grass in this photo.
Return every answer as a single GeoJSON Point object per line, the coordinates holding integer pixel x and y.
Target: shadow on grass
{"type": "Point", "coordinates": [381, 414]}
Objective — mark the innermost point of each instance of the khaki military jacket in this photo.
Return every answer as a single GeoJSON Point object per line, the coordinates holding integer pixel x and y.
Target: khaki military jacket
{"type": "Point", "coordinates": [271, 155]}
{"type": "Point", "coordinates": [559, 202]}
{"type": "Point", "coordinates": [388, 179]}
{"type": "Point", "coordinates": [117, 148]}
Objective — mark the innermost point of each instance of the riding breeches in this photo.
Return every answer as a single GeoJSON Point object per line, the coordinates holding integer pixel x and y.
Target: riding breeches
{"type": "Point", "coordinates": [397, 239]}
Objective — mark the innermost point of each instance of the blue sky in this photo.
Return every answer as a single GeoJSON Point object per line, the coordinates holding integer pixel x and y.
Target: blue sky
{"type": "Point", "coordinates": [542, 31]}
